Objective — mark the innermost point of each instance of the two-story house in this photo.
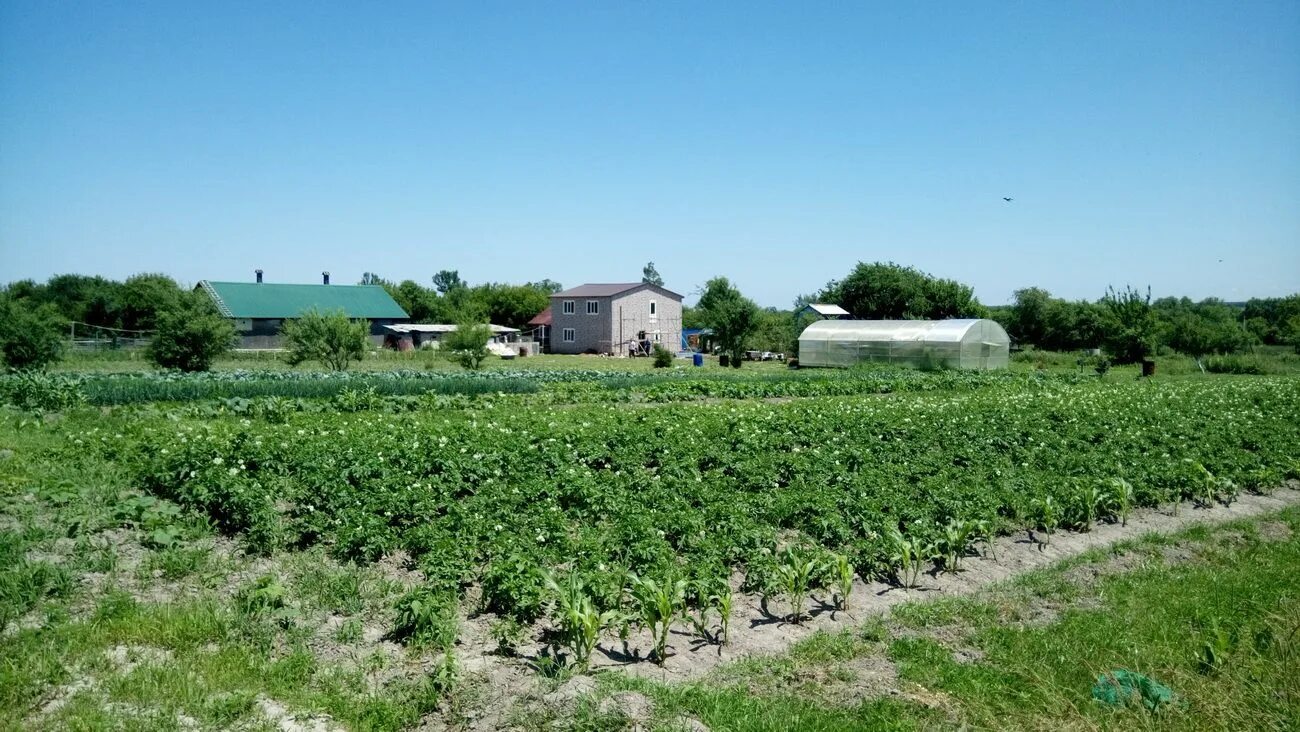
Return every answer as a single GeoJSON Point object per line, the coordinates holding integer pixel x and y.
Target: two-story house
{"type": "Point", "coordinates": [615, 319]}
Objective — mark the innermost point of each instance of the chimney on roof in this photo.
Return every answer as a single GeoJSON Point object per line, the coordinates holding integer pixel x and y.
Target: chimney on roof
{"type": "Point", "coordinates": [259, 276]}
{"type": "Point", "coordinates": [325, 277]}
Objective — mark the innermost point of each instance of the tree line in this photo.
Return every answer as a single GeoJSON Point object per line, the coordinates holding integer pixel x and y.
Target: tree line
{"type": "Point", "coordinates": [1126, 324]}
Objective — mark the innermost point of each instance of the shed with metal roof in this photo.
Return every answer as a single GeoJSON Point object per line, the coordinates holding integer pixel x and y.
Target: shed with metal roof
{"type": "Point", "coordinates": [957, 343]}
{"type": "Point", "coordinates": [258, 310]}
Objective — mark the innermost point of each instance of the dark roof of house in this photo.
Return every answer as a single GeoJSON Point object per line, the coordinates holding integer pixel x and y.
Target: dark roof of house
{"type": "Point", "coordinates": [543, 318]}
{"type": "Point", "coordinates": [256, 300]}
{"type": "Point", "coordinates": [609, 290]}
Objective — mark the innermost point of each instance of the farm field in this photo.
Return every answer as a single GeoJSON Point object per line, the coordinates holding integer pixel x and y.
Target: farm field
{"type": "Point", "coordinates": [382, 560]}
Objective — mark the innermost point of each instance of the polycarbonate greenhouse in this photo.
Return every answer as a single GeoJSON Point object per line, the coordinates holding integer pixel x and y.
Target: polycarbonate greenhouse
{"type": "Point", "coordinates": [957, 344]}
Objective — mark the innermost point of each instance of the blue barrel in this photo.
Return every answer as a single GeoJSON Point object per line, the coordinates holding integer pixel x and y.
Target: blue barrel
{"type": "Point", "coordinates": [698, 359]}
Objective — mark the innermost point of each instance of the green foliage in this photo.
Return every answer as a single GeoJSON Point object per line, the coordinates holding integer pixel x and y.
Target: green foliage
{"type": "Point", "coordinates": [888, 291]}
{"type": "Point", "coordinates": [732, 317]}
{"type": "Point", "coordinates": [35, 391]}
{"type": "Point", "coordinates": [953, 541]}
{"type": "Point", "coordinates": [31, 336]}
{"type": "Point", "coordinates": [658, 604]}
{"type": "Point", "coordinates": [467, 345]}
{"type": "Point", "coordinates": [576, 617]}
{"type": "Point", "coordinates": [328, 338]}
{"type": "Point", "coordinates": [1235, 364]}
{"type": "Point", "coordinates": [489, 495]}
{"type": "Point", "coordinates": [650, 275]}
{"type": "Point", "coordinates": [794, 574]}
{"type": "Point", "coordinates": [1131, 327]}
{"type": "Point", "coordinates": [908, 554]}
{"type": "Point", "coordinates": [508, 634]}
{"type": "Point", "coordinates": [191, 334]}
{"type": "Point", "coordinates": [426, 618]}
{"type": "Point", "coordinates": [663, 358]}
{"type": "Point", "coordinates": [842, 575]}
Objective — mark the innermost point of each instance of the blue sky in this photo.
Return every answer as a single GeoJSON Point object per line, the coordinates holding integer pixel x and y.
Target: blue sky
{"type": "Point", "coordinates": [777, 144]}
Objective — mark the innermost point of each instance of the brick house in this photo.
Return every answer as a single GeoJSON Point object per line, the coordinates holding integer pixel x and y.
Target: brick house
{"type": "Point", "coordinates": [615, 319]}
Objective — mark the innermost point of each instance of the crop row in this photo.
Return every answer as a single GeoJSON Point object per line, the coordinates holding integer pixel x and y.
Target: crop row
{"type": "Point", "coordinates": [493, 495]}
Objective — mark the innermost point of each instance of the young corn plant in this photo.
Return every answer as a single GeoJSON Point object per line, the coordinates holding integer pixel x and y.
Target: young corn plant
{"type": "Point", "coordinates": [986, 531]}
{"type": "Point", "coordinates": [953, 540]}
{"type": "Point", "coordinates": [1121, 499]}
{"type": "Point", "coordinates": [577, 618]}
{"type": "Point", "coordinates": [908, 554]}
{"type": "Point", "coordinates": [842, 570]}
{"type": "Point", "coordinates": [1048, 513]}
{"type": "Point", "coordinates": [794, 576]}
{"type": "Point", "coordinates": [658, 605]}
{"type": "Point", "coordinates": [721, 599]}
{"type": "Point", "coordinates": [1093, 500]}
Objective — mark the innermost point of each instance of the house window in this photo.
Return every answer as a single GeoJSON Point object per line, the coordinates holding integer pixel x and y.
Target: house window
{"type": "Point", "coordinates": [568, 307]}
{"type": "Point", "coordinates": [569, 335]}
{"type": "Point", "coordinates": [656, 337]}
{"type": "Point", "coordinates": [593, 307]}
{"type": "Point", "coordinates": [653, 309]}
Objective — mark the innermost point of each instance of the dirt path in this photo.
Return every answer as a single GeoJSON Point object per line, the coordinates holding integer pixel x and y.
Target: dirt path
{"type": "Point", "coordinates": [754, 631]}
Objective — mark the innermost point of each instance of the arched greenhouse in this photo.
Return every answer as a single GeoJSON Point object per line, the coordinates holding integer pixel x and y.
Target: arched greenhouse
{"type": "Point", "coordinates": [957, 344]}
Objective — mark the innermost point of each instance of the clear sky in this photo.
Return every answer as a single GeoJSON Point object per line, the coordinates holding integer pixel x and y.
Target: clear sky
{"type": "Point", "coordinates": [778, 144]}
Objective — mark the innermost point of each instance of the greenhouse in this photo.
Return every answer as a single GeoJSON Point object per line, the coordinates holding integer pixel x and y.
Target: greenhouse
{"type": "Point", "coordinates": [956, 344]}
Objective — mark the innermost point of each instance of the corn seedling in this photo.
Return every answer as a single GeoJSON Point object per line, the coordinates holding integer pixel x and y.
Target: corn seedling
{"type": "Point", "coordinates": [987, 532]}
{"type": "Point", "coordinates": [1121, 499]}
{"type": "Point", "coordinates": [793, 575]}
{"type": "Point", "coordinates": [843, 573]}
{"type": "Point", "coordinates": [952, 542]}
{"type": "Point", "coordinates": [722, 601]}
{"type": "Point", "coordinates": [576, 617]}
{"type": "Point", "coordinates": [658, 605]}
{"type": "Point", "coordinates": [1214, 650]}
{"type": "Point", "coordinates": [1049, 516]}
{"type": "Point", "coordinates": [1094, 501]}
{"type": "Point", "coordinates": [908, 553]}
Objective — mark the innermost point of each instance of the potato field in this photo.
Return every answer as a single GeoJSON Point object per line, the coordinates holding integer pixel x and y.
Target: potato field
{"type": "Point", "coordinates": [498, 496]}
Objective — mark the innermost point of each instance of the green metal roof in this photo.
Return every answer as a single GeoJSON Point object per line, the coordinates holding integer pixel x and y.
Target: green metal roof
{"type": "Point", "coordinates": [253, 300]}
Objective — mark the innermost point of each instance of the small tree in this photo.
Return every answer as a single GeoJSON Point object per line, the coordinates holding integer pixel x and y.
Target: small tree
{"type": "Point", "coordinates": [31, 337]}
{"type": "Point", "coordinates": [663, 357]}
{"type": "Point", "coordinates": [190, 335]}
{"type": "Point", "coordinates": [1131, 325]}
{"type": "Point", "coordinates": [467, 345]}
{"type": "Point", "coordinates": [650, 275]}
{"type": "Point", "coordinates": [732, 316]}
{"type": "Point", "coordinates": [330, 338]}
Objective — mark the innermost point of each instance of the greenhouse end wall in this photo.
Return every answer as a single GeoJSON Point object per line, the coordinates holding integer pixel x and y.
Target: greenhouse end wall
{"type": "Point", "coordinates": [955, 344]}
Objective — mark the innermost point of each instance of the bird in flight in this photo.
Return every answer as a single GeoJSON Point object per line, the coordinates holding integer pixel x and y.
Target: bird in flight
{"type": "Point", "coordinates": [1008, 200]}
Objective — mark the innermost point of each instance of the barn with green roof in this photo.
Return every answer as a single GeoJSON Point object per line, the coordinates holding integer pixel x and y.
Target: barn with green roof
{"type": "Point", "coordinates": [259, 310]}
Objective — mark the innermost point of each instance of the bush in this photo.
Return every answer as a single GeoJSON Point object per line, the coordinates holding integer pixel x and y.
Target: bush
{"type": "Point", "coordinates": [467, 345]}
{"type": "Point", "coordinates": [1235, 365]}
{"type": "Point", "coordinates": [30, 337]}
{"type": "Point", "coordinates": [663, 357]}
{"type": "Point", "coordinates": [39, 392]}
{"type": "Point", "coordinates": [191, 335]}
{"type": "Point", "coordinates": [329, 338]}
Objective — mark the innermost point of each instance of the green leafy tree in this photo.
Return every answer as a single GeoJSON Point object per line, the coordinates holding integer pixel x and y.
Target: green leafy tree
{"type": "Point", "coordinates": [142, 297]}
{"type": "Point", "coordinates": [328, 338]}
{"type": "Point", "coordinates": [447, 280]}
{"type": "Point", "coordinates": [732, 316]}
{"type": "Point", "coordinates": [1130, 323]}
{"type": "Point", "coordinates": [31, 335]}
{"type": "Point", "coordinates": [548, 286]}
{"type": "Point", "coordinates": [190, 335]}
{"type": "Point", "coordinates": [467, 345]}
{"type": "Point", "coordinates": [889, 291]}
{"type": "Point", "coordinates": [650, 275]}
